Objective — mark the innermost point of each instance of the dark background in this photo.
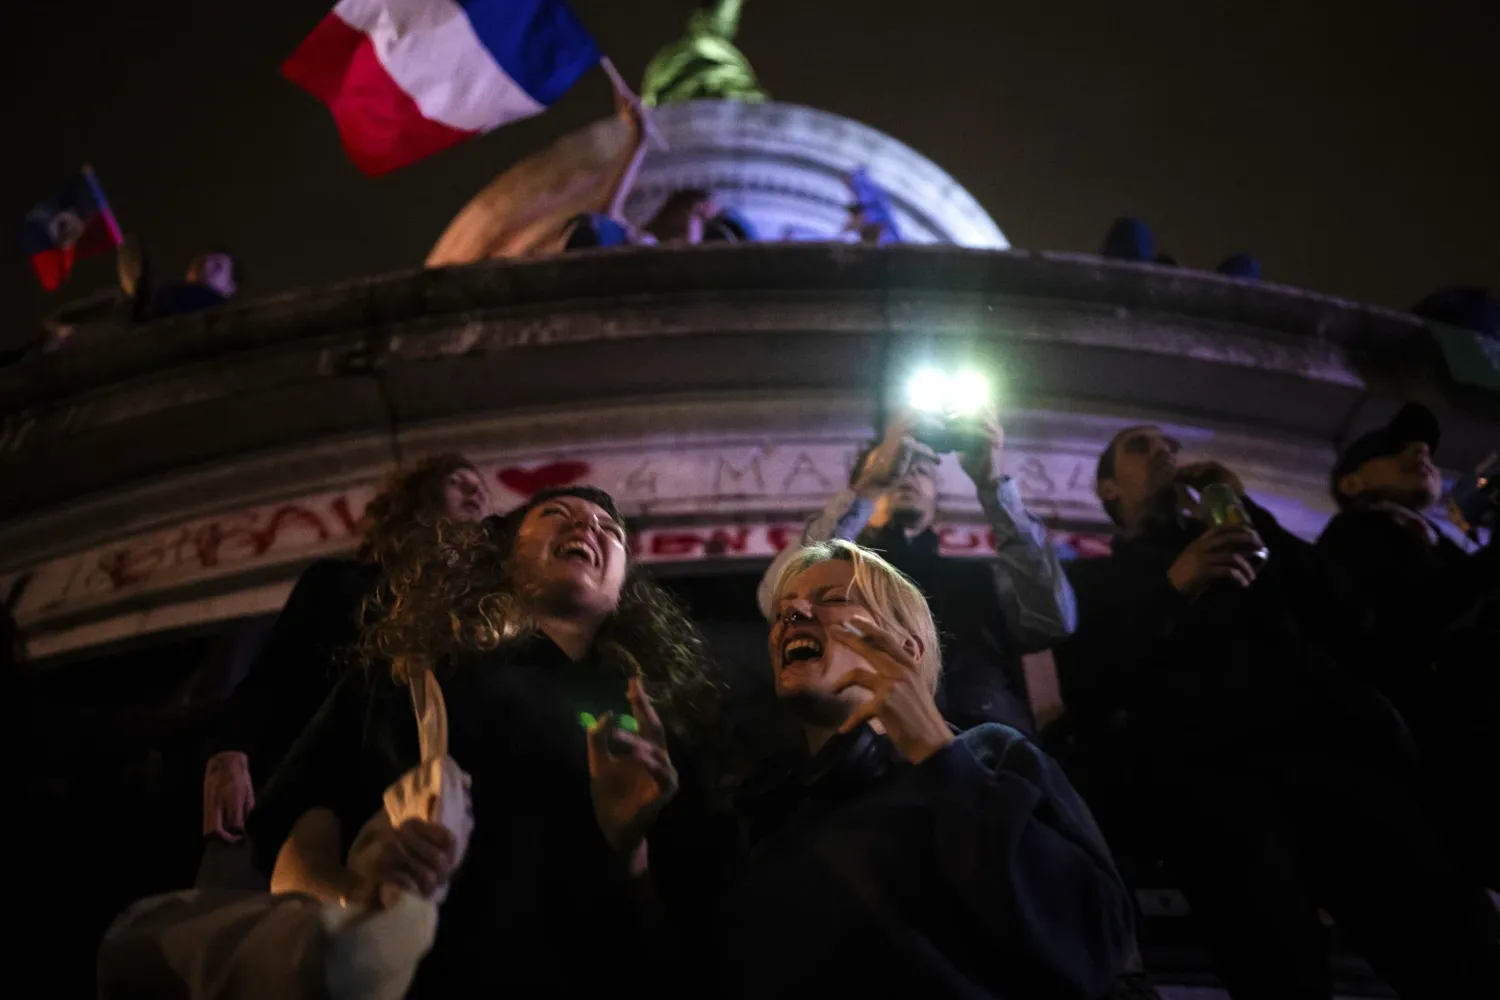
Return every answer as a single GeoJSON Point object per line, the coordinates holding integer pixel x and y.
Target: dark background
{"type": "Point", "coordinates": [1352, 145]}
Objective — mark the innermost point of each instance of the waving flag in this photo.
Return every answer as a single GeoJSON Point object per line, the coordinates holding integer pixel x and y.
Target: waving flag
{"type": "Point", "coordinates": [409, 78]}
{"type": "Point", "coordinates": [77, 223]}
{"type": "Point", "coordinates": [527, 209]}
{"type": "Point", "coordinates": [873, 204]}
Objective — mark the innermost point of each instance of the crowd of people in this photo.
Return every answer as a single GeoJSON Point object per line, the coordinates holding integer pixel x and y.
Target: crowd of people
{"type": "Point", "coordinates": [1299, 732]}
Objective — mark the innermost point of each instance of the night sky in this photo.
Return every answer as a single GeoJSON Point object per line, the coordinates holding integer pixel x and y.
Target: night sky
{"type": "Point", "coordinates": [1353, 146]}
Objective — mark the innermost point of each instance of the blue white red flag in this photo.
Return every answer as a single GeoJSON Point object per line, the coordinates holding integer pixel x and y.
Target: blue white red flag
{"type": "Point", "coordinates": [75, 224]}
{"type": "Point", "coordinates": [409, 78]}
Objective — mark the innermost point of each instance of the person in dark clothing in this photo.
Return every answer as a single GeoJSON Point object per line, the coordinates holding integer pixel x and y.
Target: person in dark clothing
{"type": "Point", "coordinates": [1467, 308]}
{"type": "Point", "coordinates": [212, 279]}
{"type": "Point", "coordinates": [303, 656]}
{"type": "Point", "coordinates": [684, 217]}
{"type": "Point", "coordinates": [894, 857]}
{"type": "Point", "coordinates": [592, 231]}
{"type": "Point", "coordinates": [1433, 641]}
{"type": "Point", "coordinates": [1130, 239]}
{"type": "Point", "coordinates": [550, 647]}
{"type": "Point", "coordinates": [1240, 265]}
{"type": "Point", "coordinates": [988, 613]}
{"type": "Point", "coordinates": [1226, 735]}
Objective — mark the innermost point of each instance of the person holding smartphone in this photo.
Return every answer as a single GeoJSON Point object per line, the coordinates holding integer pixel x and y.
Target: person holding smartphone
{"type": "Point", "coordinates": [990, 611]}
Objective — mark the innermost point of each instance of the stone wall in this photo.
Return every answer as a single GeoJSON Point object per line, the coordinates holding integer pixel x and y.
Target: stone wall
{"type": "Point", "coordinates": [175, 472]}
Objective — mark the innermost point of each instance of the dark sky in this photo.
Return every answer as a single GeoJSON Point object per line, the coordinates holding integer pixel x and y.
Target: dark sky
{"type": "Point", "coordinates": [1353, 145]}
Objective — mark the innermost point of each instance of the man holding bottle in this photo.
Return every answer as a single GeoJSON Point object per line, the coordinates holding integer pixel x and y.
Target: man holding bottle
{"type": "Point", "coordinates": [1224, 732]}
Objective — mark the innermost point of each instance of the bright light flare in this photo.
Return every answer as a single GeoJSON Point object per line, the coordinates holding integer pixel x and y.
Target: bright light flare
{"type": "Point", "coordinates": [951, 394]}
{"type": "Point", "coordinates": [927, 392]}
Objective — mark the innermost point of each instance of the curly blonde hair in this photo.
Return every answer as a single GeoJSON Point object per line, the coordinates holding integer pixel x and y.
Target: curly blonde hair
{"type": "Point", "coordinates": [459, 593]}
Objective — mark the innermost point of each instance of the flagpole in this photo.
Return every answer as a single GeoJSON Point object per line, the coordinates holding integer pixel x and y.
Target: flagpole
{"type": "Point", "coordinates": [623, 89]}
{"type": "Point", "coordinates": [104, 209]}
{"type": "Point", "coordinates": [615, 208]}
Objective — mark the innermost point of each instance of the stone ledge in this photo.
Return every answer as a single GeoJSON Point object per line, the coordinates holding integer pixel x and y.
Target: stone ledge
{"type": "Point", "coordinates": [345, 313]}
{"type": "Point", "coordinates": [640, 327]}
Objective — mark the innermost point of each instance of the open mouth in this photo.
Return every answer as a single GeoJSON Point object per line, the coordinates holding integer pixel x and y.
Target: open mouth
{"type": "Point", "coordinates": [577, 549]}
{"type": "Point", "coordinates": [801, 649]}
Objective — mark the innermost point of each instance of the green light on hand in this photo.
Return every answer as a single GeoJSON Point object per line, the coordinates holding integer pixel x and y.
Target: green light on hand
{"type": "Point", "coordinates": [625, 722]}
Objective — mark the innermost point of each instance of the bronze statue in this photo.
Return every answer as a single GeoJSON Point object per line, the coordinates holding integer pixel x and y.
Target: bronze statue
{"type": "Point", "coordinates": [704, 64]}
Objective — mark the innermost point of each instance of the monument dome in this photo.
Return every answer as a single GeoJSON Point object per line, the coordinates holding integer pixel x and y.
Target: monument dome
{"type": "Point", "coordinates": [782, 167]}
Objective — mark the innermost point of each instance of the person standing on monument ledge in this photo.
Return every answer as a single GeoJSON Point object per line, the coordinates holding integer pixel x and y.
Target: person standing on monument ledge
{"type": "Point", "coordinates": [989, 612]}
{"type": "Point", "coordinates": [299, 662]}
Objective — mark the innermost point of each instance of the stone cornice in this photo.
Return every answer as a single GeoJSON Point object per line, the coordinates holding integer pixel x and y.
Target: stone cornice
{"type": "Point", "coordinates": [318, 380]}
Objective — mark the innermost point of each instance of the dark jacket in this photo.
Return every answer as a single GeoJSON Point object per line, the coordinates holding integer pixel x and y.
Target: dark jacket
{"type": "Point", "coordinates": [297, 666]}
{"type": "Point", "coordinates": [977, 873]}
{"type": "Point", "coordinates": [540, 902]}
{"type": "Point", "coordinates": [983, 679]}
{"type": "Point", "coordinates": [1435, 608]}
{"type": "Point", "coordinates": [1224, 671]}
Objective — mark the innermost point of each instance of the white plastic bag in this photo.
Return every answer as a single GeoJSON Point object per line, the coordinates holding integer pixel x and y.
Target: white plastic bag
{"type": "Point", "coordinates": [373, 956]}
{"type": "Point", "coordinates": [437, 789]}
{"type": "Point", "coordinates": [228, 945]}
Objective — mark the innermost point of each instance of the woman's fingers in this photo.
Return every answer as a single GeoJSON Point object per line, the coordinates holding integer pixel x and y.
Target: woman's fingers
{"type": "Point", "coordinates": [879, 688]}
{"type": "Point", "coordinates": [867, 679]}
{"type": "Point", "coordinates": [861, 715]}
{"type": "Point", "coordinates": [215, 813]}
{"type": "Point", "coordinates": [879, 649]}
{"type": "Point", "coordinates": [234, 813]}
{"type": "Point", "coordinates": [412, 860]}
{"type": "Point", "coordinates": [427, 844]}
{"type": "Point", "coordinates": [647, 721]}
{"type": "Point", "coordinates": [598, 738]}
{"type": "Point", "coordinates": [663, 773]}
{"type": "Point", "coordinates": [655, 759]}
{"type": "Point", "coordinates": [634, 745]}
{"type": "Point", "coordinates": [401, 880]}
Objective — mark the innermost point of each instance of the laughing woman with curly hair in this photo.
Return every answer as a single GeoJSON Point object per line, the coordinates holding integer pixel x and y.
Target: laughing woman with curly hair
{"type": "Point", "coordinates": [577, 693]}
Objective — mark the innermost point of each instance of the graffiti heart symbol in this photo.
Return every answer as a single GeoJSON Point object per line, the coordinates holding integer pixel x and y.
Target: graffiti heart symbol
{"type": "Point", "coordinates": [529, 482]}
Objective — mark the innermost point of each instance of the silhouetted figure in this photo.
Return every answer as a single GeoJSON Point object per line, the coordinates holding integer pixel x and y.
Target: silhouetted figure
{"type": "Point", "coordinates": [1130, 239]}
{"type": "Point", "coordinates": [212, 279]}
{"type": "Point", "coordinates": [683, 217]}
{"type": "Point", "coordinates": [1432, 645]}
{"type": "Point", "coordinates": [594, 231]}
{"type": "Point", "coordinates": [1468, 308]}
{"type": "Point", "coordinates": [1240, 265]}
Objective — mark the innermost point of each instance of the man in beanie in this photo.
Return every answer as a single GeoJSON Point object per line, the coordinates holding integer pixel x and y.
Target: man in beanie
{"type": "Point", "coordinates": [1433, 642]}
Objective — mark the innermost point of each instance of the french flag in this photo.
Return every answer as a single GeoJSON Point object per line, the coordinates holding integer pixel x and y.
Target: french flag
{"type": "Point", "coordinates": [409, 78]}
